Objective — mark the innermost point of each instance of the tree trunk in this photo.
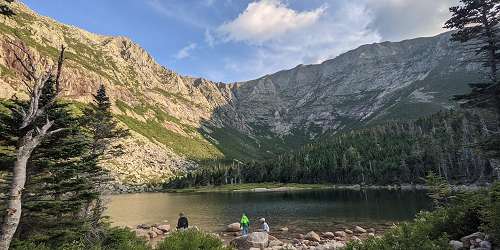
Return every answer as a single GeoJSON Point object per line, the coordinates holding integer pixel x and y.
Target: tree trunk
{"type": "Point", "coordinates": [14, 205]}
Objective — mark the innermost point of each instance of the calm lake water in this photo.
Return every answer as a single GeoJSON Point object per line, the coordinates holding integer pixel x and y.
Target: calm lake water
{"type": "Point", "coordinates": [300, 211]}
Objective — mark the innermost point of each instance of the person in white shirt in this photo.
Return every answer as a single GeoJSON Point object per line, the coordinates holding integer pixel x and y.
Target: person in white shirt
{"type": "Point", "coordinates": [264, 227]}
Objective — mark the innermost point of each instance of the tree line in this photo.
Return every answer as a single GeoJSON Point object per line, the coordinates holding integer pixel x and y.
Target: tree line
{"type": "Point", "coordinates": [394, 153]}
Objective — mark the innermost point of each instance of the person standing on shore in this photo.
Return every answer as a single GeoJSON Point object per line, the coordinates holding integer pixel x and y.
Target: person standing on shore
{"type": "Point", "coordinates": [245, 224]}
{"type": "Point", "coordinates": [264, 227]}
{"type": "Point", "coordinates": [182, 223]}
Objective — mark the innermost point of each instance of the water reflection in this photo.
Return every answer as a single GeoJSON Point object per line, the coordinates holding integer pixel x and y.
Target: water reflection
{"type": "Point", "coordinates": [319, 210]}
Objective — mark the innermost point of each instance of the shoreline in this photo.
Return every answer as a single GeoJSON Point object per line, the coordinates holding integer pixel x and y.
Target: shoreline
{"type": "Point", "coordinates": [288, 187]}
{"type": "Point", "coordinates": [279, 238]}
{"type": "Point", "coordinates": [282, 187]}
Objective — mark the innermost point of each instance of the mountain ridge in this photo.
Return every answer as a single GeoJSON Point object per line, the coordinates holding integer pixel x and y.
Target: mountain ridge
{"type": "Point", "coordinates": [178, 122]}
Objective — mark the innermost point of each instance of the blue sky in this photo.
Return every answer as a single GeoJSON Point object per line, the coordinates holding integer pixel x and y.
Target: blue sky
{"type": "Point", "coordinates": [236, 40]}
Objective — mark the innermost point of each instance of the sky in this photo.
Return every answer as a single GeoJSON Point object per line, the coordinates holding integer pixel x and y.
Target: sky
{"type": "Point", "coordinates": [238, 40]}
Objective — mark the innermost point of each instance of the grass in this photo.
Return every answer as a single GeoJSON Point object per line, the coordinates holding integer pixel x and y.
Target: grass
{"type": "Point", "coordinates": [191, 147]}
{"type": "Point", "coordinates": [176, 97]}
{"type": "Point", "coordinates": [248, 187]}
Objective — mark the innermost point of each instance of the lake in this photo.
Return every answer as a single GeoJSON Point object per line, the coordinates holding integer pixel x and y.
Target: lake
{"type": "Point", "coordinates": [300, 211]}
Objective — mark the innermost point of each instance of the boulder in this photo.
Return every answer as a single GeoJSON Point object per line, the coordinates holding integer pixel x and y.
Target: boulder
{"type": "Point", "coordinates": [152, 234]}
{"type": "Point", "coordinates": [233, 227]}
{"type": "Point", "coordinates": [271, 238]}
{"type": "Point", "coordinates": [284, 229]}
{"type": "Point", "coordinates": [466, 240]}
{"type": "Point", "coordinates": [340, 234]}
{"type": "Point", "coordinates": [359, 229]}
{"type": "Point", "coordinates": [371, 235]}
{"type": "Point", "coordinates": [486, 245]}
{"type": "Point", "coordinates": [165, 228]}
{"type": "Point", "coordinates": [339, 238]}
{"type": "Point", "coordinates": [143, 226]}
{"type": "Point", "coordinates": [300, 236]}
{"type": "Point", "coordinates": [329, 235]}
{"type": "Point", "coordinates": [371, 230]}
{"type": "Point", "coordinates": [312, 236]}
{"type": "Point", "coordinates": [456, 245]}
{"type": "Point", "coordinates": [157, 231]}
{"type": "Point", "coordinates": [256, 239]}
{"type": "Point", "coordinates": [348, 231]}
{"type": "Point", "coordinates": [275, 243]}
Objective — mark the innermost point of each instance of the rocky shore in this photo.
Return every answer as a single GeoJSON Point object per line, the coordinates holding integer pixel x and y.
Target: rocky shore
{"type": "Point", "coordinates": [260, 240]}
{"type": "Point", "coordinates": [308, 241]}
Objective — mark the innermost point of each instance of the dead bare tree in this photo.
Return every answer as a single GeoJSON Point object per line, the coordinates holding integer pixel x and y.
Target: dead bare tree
{"type": "Point", "coordinates": [31, 134]}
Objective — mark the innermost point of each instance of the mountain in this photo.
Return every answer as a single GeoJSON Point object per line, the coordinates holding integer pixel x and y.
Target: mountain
{"type": "Point", "coordinates": [179, 122]}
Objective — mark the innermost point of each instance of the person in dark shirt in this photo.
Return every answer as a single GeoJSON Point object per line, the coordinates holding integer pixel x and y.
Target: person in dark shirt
{"type": "Point", "coordinates": [182, 223]}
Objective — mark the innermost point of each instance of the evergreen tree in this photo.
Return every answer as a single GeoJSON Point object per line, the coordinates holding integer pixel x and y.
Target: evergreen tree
{"type": "Point", "coordinates": [477, 26]}
{"type": "Point", "coordinates": [102, 126]}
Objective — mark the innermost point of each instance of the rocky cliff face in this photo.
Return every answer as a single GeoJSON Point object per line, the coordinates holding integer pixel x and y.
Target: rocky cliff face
{"type": "Point", "coordinates": [372, 83]}
{"type": "Point", "coordinates": [179, 121]}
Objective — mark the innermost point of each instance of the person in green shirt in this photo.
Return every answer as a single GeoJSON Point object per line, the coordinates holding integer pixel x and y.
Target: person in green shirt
{"type": "Point", "coordinates": [245, 224]}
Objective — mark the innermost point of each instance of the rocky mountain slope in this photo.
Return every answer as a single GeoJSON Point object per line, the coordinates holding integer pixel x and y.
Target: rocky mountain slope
{"type": "Point", "coordinates": [179, 122]}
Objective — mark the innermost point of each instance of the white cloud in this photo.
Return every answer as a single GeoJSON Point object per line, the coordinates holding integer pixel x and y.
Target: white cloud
{"type": "Point", "coordinates": [332, 31]}
{"type": "Point", "coordinates": [186, 51]}
{"type": "Point", "coordinates": [276, 36]}
{"type": "Point", "coordinates": [266, 20]}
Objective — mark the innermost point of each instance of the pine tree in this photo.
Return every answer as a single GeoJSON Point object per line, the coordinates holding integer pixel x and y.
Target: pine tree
{"type": "Point", "coordinates": [477, 26]}
{"type": "Point", "coordinates": [102, 126]}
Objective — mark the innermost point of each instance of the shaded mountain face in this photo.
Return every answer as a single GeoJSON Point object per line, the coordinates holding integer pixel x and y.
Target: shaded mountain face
{"type": "Point", "coordinates": [179, 122]}
{"type": "Point", "coordinates": [375, 82]}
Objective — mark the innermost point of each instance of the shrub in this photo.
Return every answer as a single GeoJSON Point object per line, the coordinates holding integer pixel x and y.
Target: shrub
{"type": "Point", "coordinates": [111, 239]}
{"type": "Point", "coordinates": [457, 215]}
{"type": "Point", "coordinates": [192, 240]}
{"type": "Point", "coordinates": [409, 236]}
{"type": "Point", "coordinates": [123, 239]}
{"type": "Point", "coordinates": [492, 213]}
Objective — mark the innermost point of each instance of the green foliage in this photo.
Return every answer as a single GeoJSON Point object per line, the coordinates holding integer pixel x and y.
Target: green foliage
{"type": "Point", "coordinates": [393, 153]}
{"type": "Point", "coordinates": [194, 148]}
{"type": "Point", "coordinates": [121, 238]}
{"type": "Point", "coordinates": [407, 236]}
{"type": "Point", "coordinates": [192, 240]}
{"type": "Point", "coordinates": [110, 239]}
{"type": "Point", "coordinates": [101, 125]}
{"type": "Point", "coordinates": [462, 214]}
{"type": "Point", "coordinates": [440, 189]}
{"type": "Point", "coordinates": [492, 213]}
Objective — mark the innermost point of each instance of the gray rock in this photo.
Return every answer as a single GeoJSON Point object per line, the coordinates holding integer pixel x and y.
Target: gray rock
{"type": "Point", "coordinates": [359, 229]}
{"type": "Point", "coordinates": [471, 238]}
{"type": "Point", "coordinates": [456, 245]}
{"type": "Point", "coordinates": [340, 234]}
{"type": "Point", "coordinates": [143, 226]}
{"type": "Point", "coordinates": [165, 228]}
{"type": "Point", "coordinates": [233, 227]}
{"type": "Point", "coordinates": [485, 245]}
{"type": "Point", "coordinates": [275, 243]}
{"type": "Point", "coordinates": [255, 239]}
{"type": "Point", "coordinates": [312, 236]}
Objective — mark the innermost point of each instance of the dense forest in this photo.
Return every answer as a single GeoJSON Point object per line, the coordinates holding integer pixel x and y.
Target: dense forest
{"type": "Point", "coordinates": [394, 153]}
